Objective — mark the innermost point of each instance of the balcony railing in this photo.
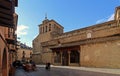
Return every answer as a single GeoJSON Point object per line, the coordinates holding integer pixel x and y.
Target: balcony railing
{"type": "Point", "coordinates": [10, 36]}
{"type": "Point", "coordinates": [11, 39]}
{"type": "Point", "coordinates": [12, 47]}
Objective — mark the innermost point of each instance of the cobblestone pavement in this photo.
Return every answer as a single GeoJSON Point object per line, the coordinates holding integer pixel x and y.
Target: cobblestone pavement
{"type": "Point", "coordinates": [41, 71]}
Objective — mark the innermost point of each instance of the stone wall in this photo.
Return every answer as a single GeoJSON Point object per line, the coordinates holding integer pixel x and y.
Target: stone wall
{"type": "Point", "coordinates": [99, 43]}
{"type": "Point", "coordinates": [108, 29]}
{"type": "Point", "coordinates": [36, 45]}
{"type": "Point", "coordinates": [37, 58]}
{"type": "Point", "coordinates": [47, 57]}
{"type": "Point", "coordinates": [105, 54]}
{"type": "Point", "coordinates": [97, 54]}
{"type": "Point", "coordinates": [95, 33]}
{"type": "Point", "coordinates": [44, 37]}
{"type": "Point", "coordinates": [4, 65]}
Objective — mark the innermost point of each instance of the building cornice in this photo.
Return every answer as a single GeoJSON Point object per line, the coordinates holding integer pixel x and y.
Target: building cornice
{"type": "Point", "coordinates": [87, 41]}
{"type": "Point", "coordinates": [92, 26]}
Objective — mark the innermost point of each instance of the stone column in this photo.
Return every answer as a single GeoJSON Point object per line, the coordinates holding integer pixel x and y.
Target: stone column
{"type": "Point", "coordinates": [79, 57]}
{"type": "Point", "coordinates": [61, 56]}
{"type": "Point", "coordinates": [68, 57]}
{"type": "Point", "coordinates": [53, 57]}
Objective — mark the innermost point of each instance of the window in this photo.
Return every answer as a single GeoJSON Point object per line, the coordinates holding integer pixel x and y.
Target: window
{"type": "Point", "coordinates": [49, 27]}
{"type": "Point", "coordinates": [46, 29]}
{"type": "Point", "coordinates": [109, 24]}
{"type": "Point", "coordinates": [23, 53]}
{"type": "Point", "coordinates": [89, 35]}
{"type": "Point", "coordinates": [40, 29]}
{"type": "Point", "coordinates": [10, 32]}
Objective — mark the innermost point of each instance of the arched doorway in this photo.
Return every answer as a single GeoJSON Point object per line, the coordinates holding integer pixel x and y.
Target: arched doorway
{"type": "Point", "coordinates": [4, 63]}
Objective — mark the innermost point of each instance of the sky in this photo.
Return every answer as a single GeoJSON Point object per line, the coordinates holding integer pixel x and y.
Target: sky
{"type": "Point", "coordinates": [71, 14]}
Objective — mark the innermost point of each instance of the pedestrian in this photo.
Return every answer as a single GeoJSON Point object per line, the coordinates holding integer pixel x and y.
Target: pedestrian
{"type": "Point", "coordinates": [47, 66]}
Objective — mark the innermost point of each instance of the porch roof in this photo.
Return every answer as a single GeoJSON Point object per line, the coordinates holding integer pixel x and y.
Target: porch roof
{"type": "Point", "coordinates": [87, 41]}
{"type": "Point", "coordinates": [65, 45]}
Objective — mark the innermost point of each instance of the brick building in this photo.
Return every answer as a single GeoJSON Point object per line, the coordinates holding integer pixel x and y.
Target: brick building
{"type": "Point", "coordinates": [8, 25]}
{"type": "Point", "coordinates": [94, 46]}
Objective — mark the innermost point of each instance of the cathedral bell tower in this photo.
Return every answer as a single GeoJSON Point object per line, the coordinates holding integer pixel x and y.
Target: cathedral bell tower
{"type": "Point", "coordinates": [117, 15]}
{"type": "Point", "coordinates": [49, 29]}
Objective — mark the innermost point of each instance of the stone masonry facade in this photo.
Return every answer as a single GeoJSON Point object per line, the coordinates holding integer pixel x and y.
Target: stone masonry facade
{"type": "Point", "coordinates": [94, 46]}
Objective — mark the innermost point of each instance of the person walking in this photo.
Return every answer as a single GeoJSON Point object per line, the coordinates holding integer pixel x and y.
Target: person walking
{"type": "Point", "coordinates": [48, 66]}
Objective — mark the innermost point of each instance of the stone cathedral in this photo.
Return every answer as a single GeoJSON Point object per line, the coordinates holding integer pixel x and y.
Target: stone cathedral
{"type": "Point", "coordinates": [94, 46]}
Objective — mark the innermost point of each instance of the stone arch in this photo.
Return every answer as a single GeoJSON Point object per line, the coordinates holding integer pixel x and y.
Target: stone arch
{"type": "Point", "coordinates": [4, 63]}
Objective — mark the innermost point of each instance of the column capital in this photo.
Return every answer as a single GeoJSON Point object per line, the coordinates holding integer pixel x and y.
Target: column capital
{"type": "Point", "coordinates": [79, 51]}
{"type": "Point", "coordinates": [69, 52]}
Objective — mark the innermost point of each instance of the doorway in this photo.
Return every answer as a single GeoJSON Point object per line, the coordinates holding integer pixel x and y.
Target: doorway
{"type": "Point", "coordinates": [65, 58]}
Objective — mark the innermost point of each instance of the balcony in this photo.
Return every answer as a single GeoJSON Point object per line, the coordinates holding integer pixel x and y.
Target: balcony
{"type": "Point", "coordinates": [12, 47]}
{"type": "Point", "coordinates": [11, 39]}
{"type": "Point", "coordinates": [18, 44]}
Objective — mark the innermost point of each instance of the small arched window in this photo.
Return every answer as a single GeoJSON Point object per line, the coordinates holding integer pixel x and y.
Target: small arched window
{"type": "Point", "coordinates": [40, 29]}
{"type": "Point", "coordinates": [46, 29]}
{"type": "Point", "coordinates": [49, 27]}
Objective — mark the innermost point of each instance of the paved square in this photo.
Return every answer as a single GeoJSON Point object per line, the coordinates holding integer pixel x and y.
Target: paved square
{"type": "Point", "coordinates": [41, 71]}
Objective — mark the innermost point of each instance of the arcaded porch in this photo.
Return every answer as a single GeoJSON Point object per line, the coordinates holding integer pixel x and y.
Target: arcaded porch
{"type": "Point", "coordinates": [66, 56]}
